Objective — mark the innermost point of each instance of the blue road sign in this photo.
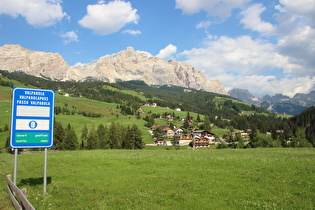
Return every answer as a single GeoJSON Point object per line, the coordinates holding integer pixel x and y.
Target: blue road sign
{"type": "Point", "coordinates": [32, 120]}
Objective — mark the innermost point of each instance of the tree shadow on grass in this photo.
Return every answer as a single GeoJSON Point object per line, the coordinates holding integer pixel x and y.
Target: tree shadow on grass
{"type": "Point", "coordinates": [34, 181]}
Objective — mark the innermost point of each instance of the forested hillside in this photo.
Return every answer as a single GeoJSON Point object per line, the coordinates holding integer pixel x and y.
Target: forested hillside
{"type": "Point", "coordinates": [166, 96]}
{"type": "Point", "coordinates": [305, 121]}
{"type": "Point", "coordinates": [211, 111]}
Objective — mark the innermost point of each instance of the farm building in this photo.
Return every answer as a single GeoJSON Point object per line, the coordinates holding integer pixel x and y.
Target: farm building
{"type": "Point", "coordinates": [183, 139]}
{"type": "Point", "coordinates": [160, 141]}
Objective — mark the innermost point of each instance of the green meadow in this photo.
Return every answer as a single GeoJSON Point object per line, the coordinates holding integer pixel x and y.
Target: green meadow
{"type": "Point", "coordinates": [156, 177]}
{"type": "Point", "coordinates": [166, 178]}
{"type": "Point", "coordinates": [109, 113]}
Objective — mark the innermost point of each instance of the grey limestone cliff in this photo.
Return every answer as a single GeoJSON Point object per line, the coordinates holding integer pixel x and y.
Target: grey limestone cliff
{"type": "Point", "coordinates": [122, 66]}
{"type": "Point", "coordinates": [41, 64]}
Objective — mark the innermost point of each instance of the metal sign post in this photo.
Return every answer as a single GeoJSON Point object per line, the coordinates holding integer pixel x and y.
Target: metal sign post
{"type": "Point", "coordinates": [15, 165]}
{"type": "Point", "coordinates": [45, 171]}
{"type": "Point", "coordinates": [32, 121]}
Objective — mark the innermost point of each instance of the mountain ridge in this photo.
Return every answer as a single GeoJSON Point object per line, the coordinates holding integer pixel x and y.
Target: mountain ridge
{"type": "Point", "coordinates": [278, 103]}
{"type": "Point", "coordinates": [18, 58]}
{"type": "Point", "coordinates": [125, 65]}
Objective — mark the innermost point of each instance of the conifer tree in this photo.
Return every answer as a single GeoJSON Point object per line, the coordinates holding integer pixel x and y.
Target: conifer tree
{"type": "Point", "coordinates": [59, 135]}
{"type": "Point", "coordinates": [186, 123]}
{"type": "Point", "coordinates": [71, 140]}
{"type": "Point", "coordinates": [136, 137]}
{"type": "Point", "coordinates": [206, 124]}
{"type": "Point", "coordinates": [92, 140]}
{"type": "Point", "coordinates": [84, 136]}
{"type": "Point", "coordinates": [150, 120]}
{"type": "Point", "coordinates": [188, 116]}
{"type": "Point", "coordinates": [115, 136]}
{"type": "Point", "coordinates": [127, 141]}
{"type": "Point", "coordinates": [102, 133]}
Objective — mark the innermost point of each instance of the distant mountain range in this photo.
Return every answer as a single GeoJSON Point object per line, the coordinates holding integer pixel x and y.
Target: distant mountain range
{"type": "Point", "coordinates": [278, 103]}
{"type": "Point", "coordinates": [125, 65]}
{"type": "Point", "coordinates": [129, 64]}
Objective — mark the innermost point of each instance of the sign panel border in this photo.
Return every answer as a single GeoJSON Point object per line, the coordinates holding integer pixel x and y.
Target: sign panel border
{"type": "Point", "coordinates": [33, 131]}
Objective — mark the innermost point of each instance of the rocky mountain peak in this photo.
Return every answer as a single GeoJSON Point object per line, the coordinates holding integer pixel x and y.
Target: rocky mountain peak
{"type": "Point", "coordinates": [278, 103]}
{"type": "Point", "coordinates": [244, 95]}
{"type": "Point", "coordinates": [129, 64]}
{"type": "Point", "coordinates": [125, 65]}
{"type": "Point", "coordinates": [41, 64]}
{"type": "Point", "coordinates": [130, 48]}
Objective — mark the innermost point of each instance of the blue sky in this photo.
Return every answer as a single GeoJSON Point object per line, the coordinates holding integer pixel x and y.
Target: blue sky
{"type": "Point", "coordinates": [267, 47]}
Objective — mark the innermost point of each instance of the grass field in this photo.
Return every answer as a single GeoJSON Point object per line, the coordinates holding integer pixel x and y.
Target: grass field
{"type": "Point", "coordinates": [109, 113]}
{"type": "Point", "coordinates": [165, 178]}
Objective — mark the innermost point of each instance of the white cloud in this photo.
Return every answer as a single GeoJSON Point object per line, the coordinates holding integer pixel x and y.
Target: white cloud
{"type": "Point", "coordinates": [302, 8]}
{"type": "Point", "coordinates": [261, 85]}
{"type": "Point", "coordinates": [109, 18]}
{"type": "Point", "coordinates": [203, 24]}
{"type": "Point", "coordinates": [220, 8]}
{"type": "Point", "coordinates": [167, 52]}
{"type": "Point", "coordinates": [70, 36]}
{"type": "Point", "coordinates": [38, 13]}
{"type": "Point", "coordinates": [299, 47]}
{"type": "Point", "coordinates": [131, 32]}
{"type": "Point", "coordinates": [251, 19]}
{"type": "Point", "coordinates": [285, 50]}
{"type": "Point", "coordinates": [296, 35]}
{"type": "Point", "coordinates": [294, 31]}
{"type": "Point", "coordinates": [242, 55]}
{"type": "Point", "coordinates": [293, 15]}
{"type": "Point", "coordinates": [245, 63]}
